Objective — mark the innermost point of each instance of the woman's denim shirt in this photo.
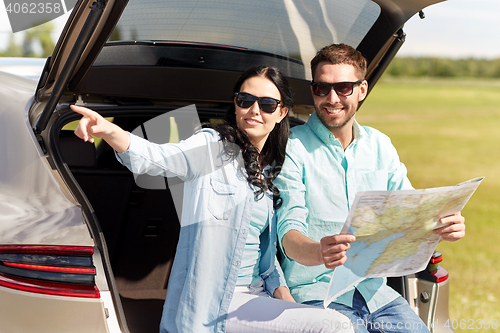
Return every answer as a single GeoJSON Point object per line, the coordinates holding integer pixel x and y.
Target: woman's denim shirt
{"type": "Point", "coordinates": [216, 211]}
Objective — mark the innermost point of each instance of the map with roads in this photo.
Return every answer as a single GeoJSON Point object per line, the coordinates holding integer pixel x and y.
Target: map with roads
{"type": "Point", "coordinates": [393, 232]}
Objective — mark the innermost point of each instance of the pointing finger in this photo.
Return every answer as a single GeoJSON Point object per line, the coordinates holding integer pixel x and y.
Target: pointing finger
{"type": "Point", "coordinates": [86, 112]}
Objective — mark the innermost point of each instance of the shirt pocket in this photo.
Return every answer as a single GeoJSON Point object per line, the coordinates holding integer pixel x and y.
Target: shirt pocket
{"type": "Point", "coordinates": [374, 180]}
{"type": "Point", "coordinates": [221, 199]}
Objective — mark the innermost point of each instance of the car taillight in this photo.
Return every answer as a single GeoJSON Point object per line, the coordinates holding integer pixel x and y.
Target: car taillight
{"type": "Point", "coordinates": [440, 275]}
{"type": "Point", "coordinates": [52, 270]}
{"type": "Point", "coordinates": [434, 272]}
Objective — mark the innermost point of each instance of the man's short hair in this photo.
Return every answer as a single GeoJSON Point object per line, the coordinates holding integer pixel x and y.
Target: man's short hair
{"type": "Point", "coordinates": [340, 54]}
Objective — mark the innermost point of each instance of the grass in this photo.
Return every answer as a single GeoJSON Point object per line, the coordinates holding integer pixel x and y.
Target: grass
{"type": "Point", "coordinates": [446, 132]}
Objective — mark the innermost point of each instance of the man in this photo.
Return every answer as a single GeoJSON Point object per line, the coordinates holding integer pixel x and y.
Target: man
{"type": "Point", "coordinates": [328, 160]}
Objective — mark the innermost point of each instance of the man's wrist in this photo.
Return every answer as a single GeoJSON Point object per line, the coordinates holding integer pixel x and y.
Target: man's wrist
{"type": "Point", "coordinates": [319, 257]}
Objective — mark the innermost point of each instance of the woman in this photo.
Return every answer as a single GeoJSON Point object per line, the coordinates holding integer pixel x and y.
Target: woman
{"type": "Point", "coordinates": [225, 272]}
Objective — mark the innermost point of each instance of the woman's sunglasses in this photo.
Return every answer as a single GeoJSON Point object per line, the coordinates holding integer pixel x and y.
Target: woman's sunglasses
{"type": "Point", "coordinates": [266, 104]}
{"type": "Point", "coordinates": [341, 88]}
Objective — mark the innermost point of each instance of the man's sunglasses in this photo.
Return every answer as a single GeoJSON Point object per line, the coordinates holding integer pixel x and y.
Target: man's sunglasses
{"type": "Point", "coordinates": [341, 88]}
{"type": "Point", "coordinates": [266, 104]}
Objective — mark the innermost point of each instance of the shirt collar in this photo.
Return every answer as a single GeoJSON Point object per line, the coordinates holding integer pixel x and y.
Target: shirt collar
{"type": "Point", "coordinates": [324, 133]}
{"type": "Point", "coordinates": [357, 130]}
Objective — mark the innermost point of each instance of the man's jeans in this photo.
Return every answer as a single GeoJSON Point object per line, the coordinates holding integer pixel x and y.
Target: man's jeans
{"type": "Point", "coordinates": [397, 316]}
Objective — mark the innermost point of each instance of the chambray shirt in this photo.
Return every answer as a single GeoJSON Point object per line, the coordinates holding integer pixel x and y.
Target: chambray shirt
{"type": "Point", "coordinates": [216, 212]}
{"type": "Point", "coordinates": [317, 184]}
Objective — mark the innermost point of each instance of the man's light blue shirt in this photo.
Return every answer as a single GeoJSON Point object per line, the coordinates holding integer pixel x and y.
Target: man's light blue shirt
{"type": "Point", "coordinates": [318, 183]}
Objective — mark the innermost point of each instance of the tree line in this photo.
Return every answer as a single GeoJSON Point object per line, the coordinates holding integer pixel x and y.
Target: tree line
{"type": "Point", "coordinates": [40, 35]}
{"type": "Point", "coordinates": [443, 67]}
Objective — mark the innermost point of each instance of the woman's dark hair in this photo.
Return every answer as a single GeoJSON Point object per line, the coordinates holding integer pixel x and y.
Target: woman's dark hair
{"type": "Point", "coordinates": [273, 152]}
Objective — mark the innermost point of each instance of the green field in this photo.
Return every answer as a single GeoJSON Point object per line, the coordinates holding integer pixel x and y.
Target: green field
{"type": "Point", "coordinates": [446, 132]}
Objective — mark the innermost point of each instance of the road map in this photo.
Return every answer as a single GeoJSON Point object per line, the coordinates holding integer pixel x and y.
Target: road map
{"type": "Point", "coordinates": [393, 232]}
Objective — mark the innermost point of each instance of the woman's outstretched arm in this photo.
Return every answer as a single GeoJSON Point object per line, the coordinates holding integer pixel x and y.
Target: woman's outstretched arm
{"type": "Point", "coordinates": [92, 123]}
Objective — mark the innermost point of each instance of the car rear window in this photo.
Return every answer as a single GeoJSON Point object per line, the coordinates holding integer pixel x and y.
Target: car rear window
{"type": "Point", "coordinates": [295, 29]}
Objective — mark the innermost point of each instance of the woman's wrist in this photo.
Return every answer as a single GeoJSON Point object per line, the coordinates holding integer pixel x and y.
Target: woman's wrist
{"type": "Point", "coordinates": [118, 139]}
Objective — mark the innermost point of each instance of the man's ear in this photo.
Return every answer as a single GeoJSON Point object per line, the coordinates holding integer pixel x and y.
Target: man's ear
{"type": "Point", "coordinates": [363, 90]}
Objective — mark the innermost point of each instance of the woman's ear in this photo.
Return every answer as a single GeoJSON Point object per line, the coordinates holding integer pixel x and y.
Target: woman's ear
{"type": "Point", "coordinates": [283, 113]}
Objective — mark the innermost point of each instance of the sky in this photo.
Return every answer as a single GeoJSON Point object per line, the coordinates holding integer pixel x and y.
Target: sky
{"type": "Point", "coordinates": [451, 29]}
{"type": "Point", "coordinates": [455, 29]}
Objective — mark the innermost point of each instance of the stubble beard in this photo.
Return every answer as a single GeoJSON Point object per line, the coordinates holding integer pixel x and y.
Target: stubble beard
{"type": "Point", "coordinates": [323, 118]}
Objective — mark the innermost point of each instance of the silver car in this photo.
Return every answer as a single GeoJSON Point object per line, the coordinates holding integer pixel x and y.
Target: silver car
{"type": "Point", "coordinates": [86, 247]}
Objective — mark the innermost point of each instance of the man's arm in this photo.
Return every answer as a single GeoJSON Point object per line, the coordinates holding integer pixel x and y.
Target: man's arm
{"type": "Point", "coordinates": [329, 251]}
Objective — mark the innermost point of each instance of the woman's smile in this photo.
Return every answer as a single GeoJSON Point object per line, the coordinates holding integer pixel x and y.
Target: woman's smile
{"type": "Point", "coordinates": [253, 122]}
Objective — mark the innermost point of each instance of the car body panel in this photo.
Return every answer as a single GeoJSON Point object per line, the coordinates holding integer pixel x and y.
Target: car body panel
{"type": "Point", "coordinates": [36, 210]}
{"type": "Point", "coordinates": [33, 207]}
{"type": "Point", "coordinates": [432, 309]}
{"type": "Point", "coordinates": [66, 314]}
